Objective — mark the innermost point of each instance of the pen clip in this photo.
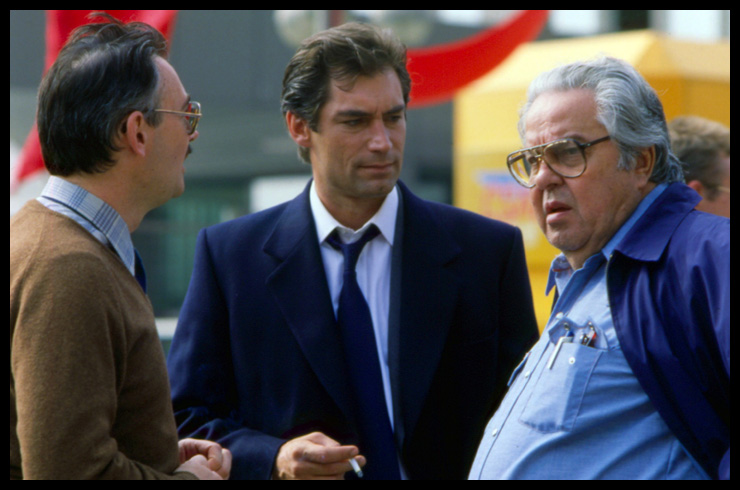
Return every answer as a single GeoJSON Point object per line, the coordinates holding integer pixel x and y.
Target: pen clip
{"type": "Point", "coordinates": [567, 338]}
{"type": "Point", "coordinates": [589, 339]}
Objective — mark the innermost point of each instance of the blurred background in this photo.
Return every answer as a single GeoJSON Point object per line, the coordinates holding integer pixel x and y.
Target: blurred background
{"type": "Point", "coordinates": [244, 161]}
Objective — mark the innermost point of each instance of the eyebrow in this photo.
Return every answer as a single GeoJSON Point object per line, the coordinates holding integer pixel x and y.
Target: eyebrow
{"type": "Point", "coordinates": [576, 136]}
{"type": "Point", "coordinates": [361, 113]}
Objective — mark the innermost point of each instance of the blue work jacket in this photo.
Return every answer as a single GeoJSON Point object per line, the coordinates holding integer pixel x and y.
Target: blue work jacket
{"type": "Point", "coordinates": [669, 292]}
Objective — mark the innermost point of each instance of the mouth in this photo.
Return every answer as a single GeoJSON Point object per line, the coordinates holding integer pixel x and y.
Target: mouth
{"type": "Point", "coordinates": [378, 166]}
{"type": "Point", "coordinates": [555, 210]}
{"type": "Point", "coordinates": [556, 207]}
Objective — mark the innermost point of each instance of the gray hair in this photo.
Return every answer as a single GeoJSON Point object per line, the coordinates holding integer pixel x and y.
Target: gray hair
{"type": "Point", "coordinates": [627, 106]}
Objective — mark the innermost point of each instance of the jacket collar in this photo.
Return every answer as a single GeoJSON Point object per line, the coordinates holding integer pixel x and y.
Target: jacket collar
{"type": "Point", "coordinates": [649, 237]}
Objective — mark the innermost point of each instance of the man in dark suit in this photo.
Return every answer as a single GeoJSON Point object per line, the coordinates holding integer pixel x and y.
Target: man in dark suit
{"type": "Point", "coordinates": [302, 364]}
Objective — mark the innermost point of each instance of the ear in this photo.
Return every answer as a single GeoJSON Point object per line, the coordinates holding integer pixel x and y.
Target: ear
{"type": "Point", "coordinates": [134, 133]}
{"type": "Point", "coordinates": [697, 186]}
{"type": "Point", "coordinates": [645, 164]}
{"type": "Point", "coordinates": [298, 129]}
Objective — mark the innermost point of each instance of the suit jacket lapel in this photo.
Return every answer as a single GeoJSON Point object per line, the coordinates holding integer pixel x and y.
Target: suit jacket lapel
{"type": "Point", "coordinates": [427, 302]}
{"type": "Point", "coordinates": [300, 289]}
{"type": "Point", "coordinates": [419, 321]}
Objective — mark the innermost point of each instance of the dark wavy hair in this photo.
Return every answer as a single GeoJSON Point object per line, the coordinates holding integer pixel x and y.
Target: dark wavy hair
{"type": "Point", "coordinates": [103, 73]}
{"type": "Point", "coordinates": [342, 53]}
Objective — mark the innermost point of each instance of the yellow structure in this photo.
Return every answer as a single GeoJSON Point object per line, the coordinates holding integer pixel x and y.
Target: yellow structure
{"type": "Point", "coordinates": [690, 78]}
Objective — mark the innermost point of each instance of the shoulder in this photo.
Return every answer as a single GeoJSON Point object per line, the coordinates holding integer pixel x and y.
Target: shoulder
{"type": "Point", "coordinates": [249, 227]}
{"type": "Point", "coordinates": [51, 247]}
{"type": "Point", "coordinates": [61, 275]}
{"type": "Point", "coordinates": [461, 218]}
{"type": "Point", "coordinates": [698, 255]}
{"type": "Point", "coordinates": [246, 237]}
{"type": "Point", "coordinates": [705, 228]}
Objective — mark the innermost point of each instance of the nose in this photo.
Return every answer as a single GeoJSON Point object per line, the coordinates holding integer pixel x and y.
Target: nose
{"type": "Point", "coordinates": [194, 136]}
{"type": "Point", "coordinates": [380, 140]}
{"type": "Point", "coordinates": [545, 177]}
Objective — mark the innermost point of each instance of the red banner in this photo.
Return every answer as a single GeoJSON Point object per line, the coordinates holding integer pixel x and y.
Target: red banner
{"type": "Point", "coordinates": [437, 72]}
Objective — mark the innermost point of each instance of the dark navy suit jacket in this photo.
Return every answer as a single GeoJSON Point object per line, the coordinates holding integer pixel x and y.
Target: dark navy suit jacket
{"type": "Point", "coordinates": [257, 360]}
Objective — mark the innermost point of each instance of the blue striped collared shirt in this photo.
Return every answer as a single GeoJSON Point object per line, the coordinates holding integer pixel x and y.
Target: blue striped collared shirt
{"type": "Point", "coordinates": [93, 214]}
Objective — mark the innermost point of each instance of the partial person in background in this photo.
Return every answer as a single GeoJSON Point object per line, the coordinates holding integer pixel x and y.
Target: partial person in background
{"type": "Point", "coordinates": [703, 146]}
{"type": "Point", "coordinates": [89, 394]}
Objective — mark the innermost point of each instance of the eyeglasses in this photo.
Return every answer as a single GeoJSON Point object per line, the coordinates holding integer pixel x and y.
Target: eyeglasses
{"type": "Point", "coordinates": [192, 115]}
{"type": "Point", "coordinates": [566, 157]}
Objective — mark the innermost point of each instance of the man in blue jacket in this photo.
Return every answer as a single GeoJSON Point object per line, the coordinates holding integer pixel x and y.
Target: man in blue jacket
{"type": "Point", "coordinates": [631, 378]}
{"type": "Point", "coordinates": [301, 364]}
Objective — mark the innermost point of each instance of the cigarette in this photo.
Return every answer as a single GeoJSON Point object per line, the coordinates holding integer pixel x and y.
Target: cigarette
{"type": "Point", "coordinates": [356, 467]}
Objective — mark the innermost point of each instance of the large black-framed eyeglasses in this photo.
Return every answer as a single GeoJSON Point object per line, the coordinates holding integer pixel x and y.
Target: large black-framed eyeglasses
{"type": "Point", "coordinates": [192, 115]}
{"type": "Point", "coordinates": [566, 157]}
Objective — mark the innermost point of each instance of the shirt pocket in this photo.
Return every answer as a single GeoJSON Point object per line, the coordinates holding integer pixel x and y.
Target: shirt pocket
{"type": "Point", "coordinates": [556, 397]}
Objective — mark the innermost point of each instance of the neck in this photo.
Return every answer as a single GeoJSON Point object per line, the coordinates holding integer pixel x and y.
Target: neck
{"type": "Point", "coordinates": [351, 212]}
{"type": "Point", "coordinates": [578, 258]}
{"type": "Point", "coordinates": [353, 217]}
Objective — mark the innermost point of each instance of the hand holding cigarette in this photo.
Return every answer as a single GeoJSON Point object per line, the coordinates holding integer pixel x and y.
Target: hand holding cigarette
{"type": "Point", "coordinates": [316, 457]}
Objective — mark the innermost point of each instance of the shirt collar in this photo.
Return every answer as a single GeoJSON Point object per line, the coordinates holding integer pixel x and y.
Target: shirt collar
{"type": "Point", "coordinates": [560, 266]}
{"type": "Point", "coordinates": [97, 213]}
{"type": "Point", "coordinates": [384, 219]}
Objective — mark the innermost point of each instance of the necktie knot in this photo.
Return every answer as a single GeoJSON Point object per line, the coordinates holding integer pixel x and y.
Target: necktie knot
{"type": "Point", "coordinates": [351, 251]}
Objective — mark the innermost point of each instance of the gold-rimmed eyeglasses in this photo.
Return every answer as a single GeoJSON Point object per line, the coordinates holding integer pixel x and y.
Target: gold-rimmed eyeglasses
{"type": "Point", "coordinates": [566, 157]}
{"type": "Point", "coordinates": [192, 115]}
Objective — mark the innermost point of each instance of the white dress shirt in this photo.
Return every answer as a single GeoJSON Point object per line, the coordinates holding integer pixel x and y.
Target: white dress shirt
{"type": "Point", "coordinates": [373, 270]}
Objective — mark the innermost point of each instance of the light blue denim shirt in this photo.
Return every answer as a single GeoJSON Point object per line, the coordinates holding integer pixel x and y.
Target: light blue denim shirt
{"type": "Point", "coordinates": [578, 411]}
{"type": "Point", "coordinates": [93, 214]}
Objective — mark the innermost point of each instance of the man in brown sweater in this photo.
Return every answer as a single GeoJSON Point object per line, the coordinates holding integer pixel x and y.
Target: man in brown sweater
{"type": "Point", "coordinates": [89, 394]}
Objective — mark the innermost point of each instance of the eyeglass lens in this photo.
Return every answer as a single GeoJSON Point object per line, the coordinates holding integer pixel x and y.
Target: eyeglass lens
{"type": "Point", "coordinates": [193, 108]}
{"type": "Point", "coordinates": [564, 158]}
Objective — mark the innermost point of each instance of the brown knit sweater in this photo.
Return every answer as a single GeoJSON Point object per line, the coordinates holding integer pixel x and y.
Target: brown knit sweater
{"type": "Point", "coordinates": [89, 394]}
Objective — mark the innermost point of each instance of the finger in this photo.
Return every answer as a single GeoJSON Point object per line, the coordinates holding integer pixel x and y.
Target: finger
{"type": "Point", "coordinates": [187, 449]}
{"type": "Point", "coordinates": [215, 456]}
{"type": "Point", "coordinates": [321, 439]}
{"type": "Point", "coordinates": [225, 470]}
{"type": "Point", "coordinates": [361, 460]}
{"type": "Point", "coordinates": [199, 459]}
{"type": "Point", "coordinates": [329, 455]}
{"type": "Point", "coordinates": [196, 446]}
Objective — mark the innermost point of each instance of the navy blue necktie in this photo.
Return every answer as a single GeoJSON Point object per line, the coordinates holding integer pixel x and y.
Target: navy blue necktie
{"type": "Point", "coordinates": [139, 269]}
{"type": "Point", "coordinates": [358, 336]}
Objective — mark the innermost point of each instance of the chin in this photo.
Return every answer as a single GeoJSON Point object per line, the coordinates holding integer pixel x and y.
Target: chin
{"type": "Point", "coordinates": [179, 192]}
{"type": "Point", "coordinates": [178, 189]}
{"type": "Point", "coordinates": [562, 241]}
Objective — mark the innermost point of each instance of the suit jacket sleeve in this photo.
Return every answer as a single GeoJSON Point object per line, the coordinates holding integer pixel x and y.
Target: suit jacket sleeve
{"type": "Point", "coordinates": [202, 376]}
{"type": "Point", "coordinates": [517, 317]}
